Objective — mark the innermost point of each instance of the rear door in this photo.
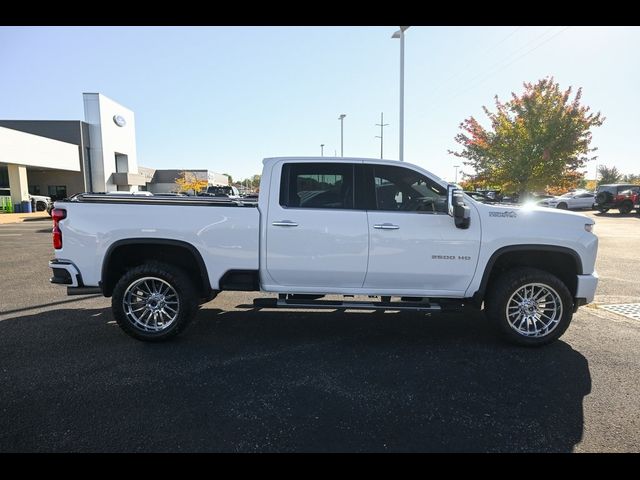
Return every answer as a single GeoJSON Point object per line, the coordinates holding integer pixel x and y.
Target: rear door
{"type": "Point", "coordinates": [314, 235]}
{"type": "Point", "coordinates": [414, 243]}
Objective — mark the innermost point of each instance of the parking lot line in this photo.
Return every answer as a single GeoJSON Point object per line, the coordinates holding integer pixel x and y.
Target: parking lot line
{"type": "Point", "coordinates": [10, 234]}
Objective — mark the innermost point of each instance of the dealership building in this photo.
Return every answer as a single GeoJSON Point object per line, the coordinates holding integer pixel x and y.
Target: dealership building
{"type": "Point", "coordinates": [59, 158]}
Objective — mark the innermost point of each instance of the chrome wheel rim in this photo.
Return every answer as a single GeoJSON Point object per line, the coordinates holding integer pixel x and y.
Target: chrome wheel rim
{"type": "Point", "coordinates": [151, 304]}
{"type": "Point", "coordinates": [534, 310]}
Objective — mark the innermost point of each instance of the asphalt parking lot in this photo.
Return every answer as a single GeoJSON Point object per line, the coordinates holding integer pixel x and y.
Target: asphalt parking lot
{"type": "Point", "coordinates": [245, 380]}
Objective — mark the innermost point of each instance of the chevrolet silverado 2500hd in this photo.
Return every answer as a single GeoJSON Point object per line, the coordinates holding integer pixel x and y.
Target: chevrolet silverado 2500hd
{"type": "Point", "coordinates": [390, 231]}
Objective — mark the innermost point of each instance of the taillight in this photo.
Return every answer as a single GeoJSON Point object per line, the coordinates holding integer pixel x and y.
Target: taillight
{"type": "Point", "coordinates": [57, 214]}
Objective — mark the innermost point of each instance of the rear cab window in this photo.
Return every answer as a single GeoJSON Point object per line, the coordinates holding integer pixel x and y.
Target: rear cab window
{"type": "Point", "coordinates": [317, 185]}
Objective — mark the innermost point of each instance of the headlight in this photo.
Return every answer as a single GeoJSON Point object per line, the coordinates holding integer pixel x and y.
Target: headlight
{"type": "Point", "coordinates": [589, 227]}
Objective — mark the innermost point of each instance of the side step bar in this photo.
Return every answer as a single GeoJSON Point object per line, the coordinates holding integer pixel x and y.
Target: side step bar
{"type": "Point", "coordinates": [284, 302]}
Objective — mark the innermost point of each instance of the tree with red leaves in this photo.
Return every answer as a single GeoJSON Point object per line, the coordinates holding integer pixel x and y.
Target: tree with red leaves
{"type": "Point", "coordinates": [537, 140]}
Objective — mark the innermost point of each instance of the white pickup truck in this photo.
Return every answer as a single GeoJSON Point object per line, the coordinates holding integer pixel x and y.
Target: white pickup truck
{"type": "Point", "coordinates": [389, 231]}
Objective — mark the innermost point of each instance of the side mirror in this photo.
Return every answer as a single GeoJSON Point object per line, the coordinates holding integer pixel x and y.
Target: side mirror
{"type": "Point", "coordinates": [460, 212]}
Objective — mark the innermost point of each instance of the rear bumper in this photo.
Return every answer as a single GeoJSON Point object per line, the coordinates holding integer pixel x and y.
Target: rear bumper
{"type": "Point", "coordinates": [586, 289]}
{"type": "Point", "coordinates": [65, 273]}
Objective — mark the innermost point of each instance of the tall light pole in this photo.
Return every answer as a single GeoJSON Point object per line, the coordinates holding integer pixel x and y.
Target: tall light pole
{"type": "Point", "coordinates": [381, 136]}
{"type": "Point", "coordinates": [400, 34]}
{"type": "Point", "coordinates": [456, 167]}
{"type": "Point", "coordinates": [341, 118]}
{"type": "Point", "coordinates": [322, 149]}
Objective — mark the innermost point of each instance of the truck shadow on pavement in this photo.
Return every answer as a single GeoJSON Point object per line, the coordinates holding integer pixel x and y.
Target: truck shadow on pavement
{"type": "Point", "coordinates": [285, 381]}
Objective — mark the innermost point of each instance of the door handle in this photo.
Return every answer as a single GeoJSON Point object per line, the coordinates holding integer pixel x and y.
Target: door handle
{"type": "Point", "coordinates": [285, 223]}
{"type": "Point", "coordinates": [386, 226]}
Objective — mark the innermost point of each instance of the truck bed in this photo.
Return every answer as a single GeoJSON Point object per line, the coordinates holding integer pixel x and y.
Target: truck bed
{"type": "Point", "coordinates": [224, 231]}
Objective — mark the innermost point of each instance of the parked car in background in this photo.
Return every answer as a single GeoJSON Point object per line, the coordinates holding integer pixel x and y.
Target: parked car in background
{"type": "Point", "coordinates": [222, 191]}
{"type": "Point", "coordinates": [481, 197]}
{"type": "Point", "coordinates": [616, 196]}
{"type": "Point", "coordinates": [570, 201]}
{"type": "Point", "coordinates": [41, 202]}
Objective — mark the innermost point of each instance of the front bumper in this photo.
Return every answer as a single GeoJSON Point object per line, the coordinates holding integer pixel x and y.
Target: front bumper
{"type": "Point", "coordinates": [586, 289]}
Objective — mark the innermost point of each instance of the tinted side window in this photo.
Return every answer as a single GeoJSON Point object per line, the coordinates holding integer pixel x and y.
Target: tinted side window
{"type": "Point", "coordinates": [405, 190]}
{"type": "Point", "coordinates": [317, 185]}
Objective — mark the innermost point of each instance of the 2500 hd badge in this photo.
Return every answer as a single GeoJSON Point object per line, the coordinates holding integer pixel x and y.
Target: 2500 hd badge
{"type": "Point", "coordinates": [450, 257]}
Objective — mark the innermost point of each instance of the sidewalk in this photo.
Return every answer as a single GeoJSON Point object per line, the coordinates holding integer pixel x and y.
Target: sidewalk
{"type": "Point", "coordinates": [21, 217]}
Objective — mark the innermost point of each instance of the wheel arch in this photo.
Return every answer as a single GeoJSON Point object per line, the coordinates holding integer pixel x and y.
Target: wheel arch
{"type": "Point", "coordinates": [131, 252]}
{"type": "Point", "coordinates": [563, 262]}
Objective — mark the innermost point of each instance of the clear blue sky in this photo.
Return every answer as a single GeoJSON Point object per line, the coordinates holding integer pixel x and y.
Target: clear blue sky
{"type": "Point", "coordinates": [223, 98]}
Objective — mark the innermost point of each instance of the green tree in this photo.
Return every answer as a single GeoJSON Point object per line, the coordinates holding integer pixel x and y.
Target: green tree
{"type": "Point", "coordinates": [255, 181]}
{"type": "Point", "coordinates": [608, 175]}
{"type": "Point", "coordinates": [631, 178]}
{"type": "Point", "coordinates": [537, 140]}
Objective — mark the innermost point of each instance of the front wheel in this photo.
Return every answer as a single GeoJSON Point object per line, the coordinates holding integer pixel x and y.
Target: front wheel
{"type": "Point", "coordinates": [154, 301]}
{"type": "Point", "coordinates": [529, 307]}
{"type": "Point", "coordinates": [603, 210]}
{"type": "Point", "coordinates": [562, 206]}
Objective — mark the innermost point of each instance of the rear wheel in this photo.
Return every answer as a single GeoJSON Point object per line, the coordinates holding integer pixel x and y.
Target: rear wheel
{"type": "Point", "coordinates": [625, 207]}
{"type": "Point", "coordinates": [603, 210]}
{"type": "Point", "coordinates": [529, 307]}
{"type": "Point", "coordinates": [154, 301]}
{"type": "Point", "coordinates": [41, 206]}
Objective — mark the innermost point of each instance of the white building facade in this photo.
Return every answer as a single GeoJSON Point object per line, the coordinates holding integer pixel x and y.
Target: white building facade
{"type": "Point", "coordinates": [62, 158]}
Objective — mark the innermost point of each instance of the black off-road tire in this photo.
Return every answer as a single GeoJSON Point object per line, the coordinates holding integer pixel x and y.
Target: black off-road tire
{"type": "Point", "coordinates": [604, 197]}
{"type": "Point", "coordinates": [504, 286]}
{"type": "Point", "coordinates": [179, 281]}
{"type": "Point", "coordinates": [625, 207]}
{"type": "Point", "coordinates": [603, 210]}
{"type": "Point", "coordinates": [41, 206]}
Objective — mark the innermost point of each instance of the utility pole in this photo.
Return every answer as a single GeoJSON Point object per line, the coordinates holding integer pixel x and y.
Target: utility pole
{"type": "Point", "coordinates": [456, 167]}
{"type": "Point", "coordinates": [381, 136]}
{"type": "Point", "coordinates": [322, 149]}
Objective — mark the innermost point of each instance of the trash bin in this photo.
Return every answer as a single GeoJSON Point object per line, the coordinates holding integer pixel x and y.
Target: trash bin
{"type": "Point", "coordinates": [17, 208]}
{"type": "Point", "coordinates": [26, 206]}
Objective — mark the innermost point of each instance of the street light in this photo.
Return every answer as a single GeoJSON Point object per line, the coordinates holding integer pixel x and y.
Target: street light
{"type": "Point", "coordinates": [322, 149]}
{"type": "Point", "coordinates": [456, 167]}
{"type": "Point", "coordinates": [400, 34]}
{"type": "Point", "coordinates": [341, 118]}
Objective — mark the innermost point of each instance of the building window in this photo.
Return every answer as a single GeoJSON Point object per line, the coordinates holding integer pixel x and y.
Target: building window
{"type": "Point", "coordinates": [34, 189]}
{"type": "Point", "coordinates": [57, 192]}
{"type": "Point", "coordinates": [122, 163]}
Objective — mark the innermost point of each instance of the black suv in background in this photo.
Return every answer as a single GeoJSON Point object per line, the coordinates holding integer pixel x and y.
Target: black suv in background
{"type": "Point", "coordinates": [619, 195]}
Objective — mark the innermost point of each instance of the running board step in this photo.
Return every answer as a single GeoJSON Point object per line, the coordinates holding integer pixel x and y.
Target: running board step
{"type": "Point", "coordinates": [337, 304]}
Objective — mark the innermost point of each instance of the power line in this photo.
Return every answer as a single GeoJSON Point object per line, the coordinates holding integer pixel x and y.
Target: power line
{"type": "Point", "coordinates": [511, 63]}
{"type": "Point", "coordinates": [484, 77]}
{"type": "Point", "coordinates": [455, 75]}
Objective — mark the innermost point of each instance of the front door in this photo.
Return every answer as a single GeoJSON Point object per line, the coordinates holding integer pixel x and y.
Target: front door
{"type": "Point", "coordinates": [414, 243]}
{"type": "Point", "coordinates": [315, 237]}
